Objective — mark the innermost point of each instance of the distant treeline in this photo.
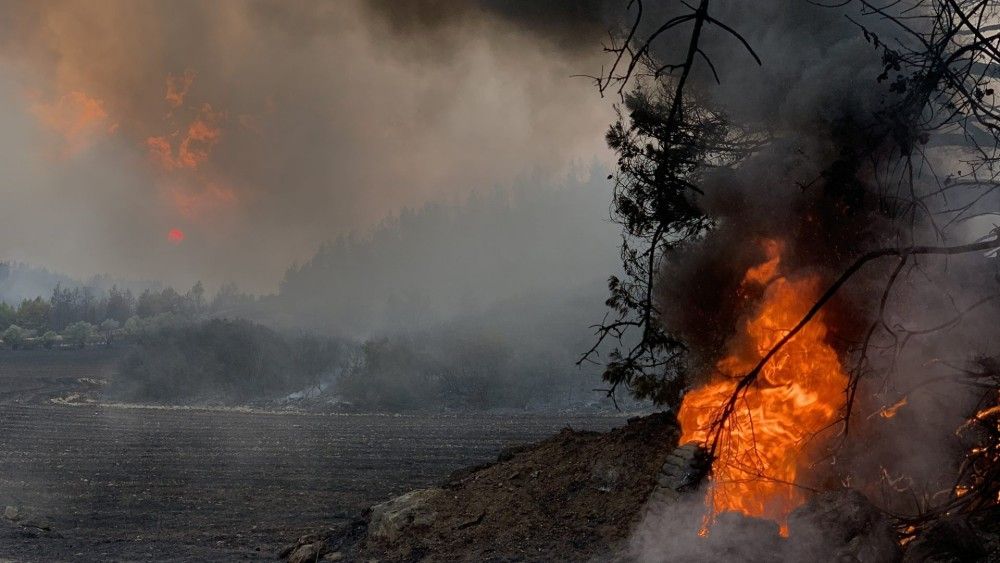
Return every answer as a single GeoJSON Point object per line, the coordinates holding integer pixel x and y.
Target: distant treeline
{"type": "Point", "coordinates": [20, 281]}
{"type": "Point", "coordinates": [172, 360]}
{"type": "Point", "coordinates": [446, 261]}
{"type": "Point", "coordinates": [80, 314]}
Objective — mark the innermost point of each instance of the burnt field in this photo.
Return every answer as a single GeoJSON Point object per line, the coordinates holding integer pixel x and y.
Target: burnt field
{"type": "Point", "coordinates": [131, 482]}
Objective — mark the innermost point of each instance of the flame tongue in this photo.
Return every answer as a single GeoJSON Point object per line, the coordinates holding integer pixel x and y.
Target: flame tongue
{"type": "Point", "coordinates": [797, 394]}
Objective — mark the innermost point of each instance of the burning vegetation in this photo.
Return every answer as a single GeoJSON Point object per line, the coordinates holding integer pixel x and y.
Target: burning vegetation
{"type": "Point", "coordinates": [798, 257]}
{"type": "Point", "coordinates": [764, 442]}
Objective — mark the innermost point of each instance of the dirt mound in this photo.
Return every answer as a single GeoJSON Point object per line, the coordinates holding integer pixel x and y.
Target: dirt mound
{"type": "Point", "coordinates": [571, 497]}
{"type": "Point", "coordinates": [578, 496]}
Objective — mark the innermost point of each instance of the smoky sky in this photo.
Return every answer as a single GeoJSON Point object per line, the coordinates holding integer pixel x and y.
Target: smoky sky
{"type": "Point", "coordinates": [259, 130]}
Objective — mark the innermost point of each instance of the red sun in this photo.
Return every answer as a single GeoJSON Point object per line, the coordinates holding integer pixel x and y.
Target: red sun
{"type": "Point", "coordinates": [175, 236]}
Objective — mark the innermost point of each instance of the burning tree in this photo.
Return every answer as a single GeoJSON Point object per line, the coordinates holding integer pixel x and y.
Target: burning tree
{"type": "Point", "coordinates": [762, 253]}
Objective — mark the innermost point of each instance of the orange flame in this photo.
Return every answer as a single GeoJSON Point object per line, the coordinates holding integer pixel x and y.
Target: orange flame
{"type": "Point", "coordinates": [889, 412]}
{"type": "Point", "coordinates": [797, 394]}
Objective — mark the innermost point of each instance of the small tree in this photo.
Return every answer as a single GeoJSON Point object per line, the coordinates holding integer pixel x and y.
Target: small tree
{"type": "Point", "coordinates": [50, 339]}
{"type": "Point", "coordinates": [133, 326]}
{"type": "Point", "coordinates": [33, 314]}
{"type": "Point", "coordinates": [14, 336]}
{"type": "Point", "coordinates": [7, 315]}
{"type": "Point", "coordinates": [108, 327]}
{"type": "Point", "coordinates": [79, 332]}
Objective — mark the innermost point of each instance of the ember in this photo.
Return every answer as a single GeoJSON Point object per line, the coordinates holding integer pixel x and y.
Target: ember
{"type": "Point", "coordinates": [798, 393]}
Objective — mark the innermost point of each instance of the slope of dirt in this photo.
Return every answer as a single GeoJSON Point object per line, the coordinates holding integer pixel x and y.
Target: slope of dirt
{"type": "Point", "coordinates": [574, 496]}
{"type": "Point", "coordinates": [578, 495]}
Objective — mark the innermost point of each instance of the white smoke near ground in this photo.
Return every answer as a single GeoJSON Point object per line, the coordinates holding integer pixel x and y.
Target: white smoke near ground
{"type": "Point", "coordinates": [670, 532]}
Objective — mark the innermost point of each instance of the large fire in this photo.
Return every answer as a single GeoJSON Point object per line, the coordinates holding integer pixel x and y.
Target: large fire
{"type": "Point", "coordinates": [798, 394]}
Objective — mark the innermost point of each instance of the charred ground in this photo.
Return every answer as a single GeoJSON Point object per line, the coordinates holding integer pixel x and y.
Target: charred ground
{"type": "Point", "coordinates": [132, 482]}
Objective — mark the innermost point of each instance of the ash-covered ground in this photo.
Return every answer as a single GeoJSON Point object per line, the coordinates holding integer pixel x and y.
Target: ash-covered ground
{"type": "Point", "coordinates": [91, 481]}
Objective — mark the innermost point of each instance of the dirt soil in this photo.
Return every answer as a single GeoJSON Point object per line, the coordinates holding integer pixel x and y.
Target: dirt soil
{"type": "Point", "coordinates": [107, 482]}
{"type": "Point", "coordinates": [576, 497]}
{"type": "Point", "coordinates": [572, 497]}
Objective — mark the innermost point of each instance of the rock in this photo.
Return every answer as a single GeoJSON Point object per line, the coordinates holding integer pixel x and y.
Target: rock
{"type": "Point", "coordinates": [36, 522]}
{"type": "Point", "coordinates": [472, 521]}
{"type": "Point", "coordinates": [12, 513]}
{"type": "Point", "coordinates": [390, 519]}
{"type": "Point", "coordinates": [308, 553]}
{"type": "Point", "coordinates": [684, 468]}
{"type": "Point", "coordinates": [842, 526]}
{"type": "Point", "coordinates": [333, 556]}
{"type": "Point", "coordinates": [286, 551]}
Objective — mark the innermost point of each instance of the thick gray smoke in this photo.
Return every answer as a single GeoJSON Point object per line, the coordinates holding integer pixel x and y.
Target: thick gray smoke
{"type": "Point", "coordinates": [812, 186]}
{"type": "Point", "coordinates": [259, 130]}
{"type": "Point", "coordinates": [814, 92]}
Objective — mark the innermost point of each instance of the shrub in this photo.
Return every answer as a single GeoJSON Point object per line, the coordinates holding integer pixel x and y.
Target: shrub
{"type": "Point", "coordinates": [14, 336]}
{"type": "Point", "coordinates": [231, 361]}
{"type": "Point", "coordinates": [50, 339]}
{"type": "Point", "coordinates": [79, 333]}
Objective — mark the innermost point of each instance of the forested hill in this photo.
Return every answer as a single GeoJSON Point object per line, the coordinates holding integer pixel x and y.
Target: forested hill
{"type": "Point", "coordinates": [446, 262]}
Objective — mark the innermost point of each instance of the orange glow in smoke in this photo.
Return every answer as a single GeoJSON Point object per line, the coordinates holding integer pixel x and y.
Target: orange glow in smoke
{"type": "Point", "coordinates": [797, 394]}
{"type": "Point", "coordinates": [78, 117]}
{"type": "Point", "coordinates": [175, 236]}
{"type": "Point", "coordinates": [194, 148]}
{"type": "Point", "coordinates": [197, 203]}
{"type": "Point", "coordinates": [177, 87]}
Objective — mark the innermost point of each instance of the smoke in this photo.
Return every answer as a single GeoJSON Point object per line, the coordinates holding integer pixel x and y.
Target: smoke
{"type": "Point", "coordinates": [671, 532]}
{"type": "Point", "coordinates": [814, 186]}
{"type": "Point", "coordinates": [261, 129]}
{"type": "Point", "coordinates": [563, 25]}
{"type": "Point", "coordinates": [257, 130]}
{"type": "Point", "coordinates": [815, 92]}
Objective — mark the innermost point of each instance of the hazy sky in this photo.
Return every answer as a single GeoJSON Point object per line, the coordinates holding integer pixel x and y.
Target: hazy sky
{"type": "Point", "coordinates": [224, 140]}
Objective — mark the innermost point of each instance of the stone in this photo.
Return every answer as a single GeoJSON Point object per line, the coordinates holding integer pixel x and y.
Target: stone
{"type": "Point", "coordinates": [308, 553]}
{"type": "Point", "coordinates": [391, 519]}
{"type": "Point", "coordinates": [684, 468]}
{"type": "Point", "coordinates": [36, 522]}
{"type": "Point", "coordinates": [11, 513]}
